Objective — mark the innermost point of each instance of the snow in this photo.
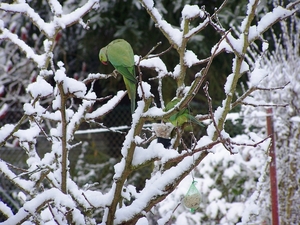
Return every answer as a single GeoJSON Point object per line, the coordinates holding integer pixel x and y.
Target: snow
{"type": "Point", "coordinates": [154, 186]}
{"type": "Point", "coordinates": [174, 33]}
{"type": "Point", "coordinates": [254, 102]}
{"type": "Point", "coordinates": [244, 67]}
{"type": "Point", "coordinates": [29, 109]}
{"type": "Point", "coordinates": [149, 3]}
{"type": "Point", "coordinates": [190, 58]}
{"type": "Point", "coordinates": [228, 83]}
{"type": "Point", "coordinates": [214, 194]}
{"type": "Point", "coordinates": [265, 46]}
{"type": "Point", "coordinates": [1, 24]}
{"type": "Point", "coordinates": [75, 118]}
{"type": "Point", "coordinates": [5, 209]}
{"type": "Point", "coordinates": [295, 119]}
{"type": "Point", "coordinates": [250, 6]}
{"type": "Point", "coordinates": [48, 195]}
{"type": "Point", "coordinates": [256, 76]}
{"type": "Point", "coordinates": [3, 110]}
{"type": "Point", "coordinates": [56, 7]}
{"type": "Point", "coordinates": [40, 88]}
{"type": "Point", "coordinates": [142, 221]}
{"type": "Point", "coordinates": [204, 140]}
{"type": "Point", "coordinates": [229, 173]}
{"type": "Point", "coordinates": [223, 45]}
{"type": "Point", "coordinates": [25, 184]}
{"type": "Point", "coordinates": [107, 106]}
{"type": "Point", "coordinates": [195, 30]}
{"type": "Point", "coordinates": [38, 59]}
{"type": "Point", "coordinates": [155, 63]}
{"type": "Point", "coordinates": [95, 76]}
{"type": "Point", "coordinates": [236, 43]}
{"type": "Point", "coordinates": [190, 11]}
{"type": "Point", "coordinates": [28, 135]}
{"type": "Point", "coordinates": [154, 151]}
{"type": "Point", "coordinates": [176, 72]}
{"type": "Point", "coordinates": [153, 112]}
{"type": "Point", "coordinates": [233, 116]}
{"type": "Point", "coordinates": [72, 17]}
{"type": "Point", "coordinates": [165, 218]}
{"type": "Point", "coordinates": [267, 20]}
{"type": "Point", "coordinates": [70, 85]}
{"type": "Point", "coordinates": [146, 90]}
{"type": "Point", "coordinates": [221, 165]}
{"type": "Point", "coordinates": [235, 211]}
{"type": "Point", "coordinates": [210, 131]}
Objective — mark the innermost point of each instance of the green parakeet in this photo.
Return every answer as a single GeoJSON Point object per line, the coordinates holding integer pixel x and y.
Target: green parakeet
{"type": "Point", "coordinates": [181, 117]}
{"type": "Point", "coordinates": [120, 54]}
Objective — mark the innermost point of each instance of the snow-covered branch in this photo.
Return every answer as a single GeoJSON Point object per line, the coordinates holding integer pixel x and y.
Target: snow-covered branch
{"type": "Point", "coordinates": [56, 105]}
{"type": "Point", "coordinates": [60, 20]}
{"type": "Point", "coordinates": [5, 34]}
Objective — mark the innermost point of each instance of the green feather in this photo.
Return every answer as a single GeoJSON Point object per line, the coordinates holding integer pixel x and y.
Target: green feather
{"type": "Point", "coordinates": [120, 54]}
{"type": "Point", "coordinates": [181, 117]}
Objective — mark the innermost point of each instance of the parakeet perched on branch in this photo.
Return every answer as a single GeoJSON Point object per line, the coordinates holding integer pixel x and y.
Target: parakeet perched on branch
{"type": "Point", "coordinates": [181, 117]}
{"type": "Point", "coordinates": [120, 54]}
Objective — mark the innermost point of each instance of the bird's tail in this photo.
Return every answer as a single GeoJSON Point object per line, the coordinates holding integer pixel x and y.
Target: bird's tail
{"type": "Point", "coordinates": [131, 89]}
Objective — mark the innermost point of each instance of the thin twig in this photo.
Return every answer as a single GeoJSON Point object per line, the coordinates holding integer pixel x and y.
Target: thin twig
{"type": "Point", "coordinates": [15, 167]}
{"type": "Point", "coordinates": [292, 4]}
{"type": "Point", "coordinates": [226, 143]}
{"type": "Point", "coordinates": [108, 128]}
{"type": "Point", "coordinates": [273, 88]}
{"type": "Point", "coordinates": [169, 221]}
{"type": "Point", "coordinates": [251, 145]}
{"type": "Point", "coordinates": [151, 50]}
{"type": "Point", "coordinates": [93, 77]}
{"type": "Point", "coordinates": [141, 79]}
{"type": "Point", "coordinates": [52, 213]}
{"type": "Point", "coordinates": [88, 200]}
{"type": "Point", "coordinates": [42, 129]}
{"type": "Point", "coordinates": [159, 54]}
{"type": "Point", "coordinates": [148, 140]}
{"type": "Point", "coordinates": [264, 105]}
{"type": "Point", "coordinates": [97, 99]}
{"type": "Point", "coordinates": [219, 9]}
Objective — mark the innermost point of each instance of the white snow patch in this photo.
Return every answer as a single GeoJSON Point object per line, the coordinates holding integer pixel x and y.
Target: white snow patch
{"type": "Point", "coordinates": [228, 83]}
{"type": "Point", "coordinates": [107, 106]}
{"type": "Point", "coordinates": [190, 58]}
{"type": "Point", "coordinates": [256, 76]}
{"type": "Point", "coordinates": [155, 63]}
{"type": "Point", "coordinates": [244, 67]}
{"type": "Point", "coordinates": [154, 111]}
{"type": "Point", "coordinates": [155, 150]}
{"type": "Point", "coordinates": [174, 33]}
{"type": "Point", "coordinates": [146, 90]}
{"type": "Point", "coordinates": [223, 46]}
{"type": "Point", "coordinates": [29, 109]}
{"type": "Point", "coordinates": [214, 194]}
{"type": "Point", "coordinates": [267, 20]}
{"type": "Point", "coordinates": [176, 71]}
{"type": "Point", "coordinates": [142, 221]}
{"type": "Point", "coordinates": [3, 110]}
{"type": "Point", "coordinates": [28, 135]}
{"type": "Point", "coordinates": [149, 3]}
{"type": "Point", "coordinates": [190, 11]}
{"type": "Point", "coordinates": [40, 88]}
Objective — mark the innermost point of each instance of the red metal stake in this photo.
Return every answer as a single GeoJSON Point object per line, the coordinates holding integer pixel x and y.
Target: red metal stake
{"type": "Point", "coordinates": [273, 177]}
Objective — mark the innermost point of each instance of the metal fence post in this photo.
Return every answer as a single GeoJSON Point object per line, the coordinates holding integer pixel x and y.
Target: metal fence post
{"type": "Point", "coordinates": [273, 176]}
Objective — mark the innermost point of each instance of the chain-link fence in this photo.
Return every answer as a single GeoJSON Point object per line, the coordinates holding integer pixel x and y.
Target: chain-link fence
{"type": "Point", "coordinates": [91, 161]}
